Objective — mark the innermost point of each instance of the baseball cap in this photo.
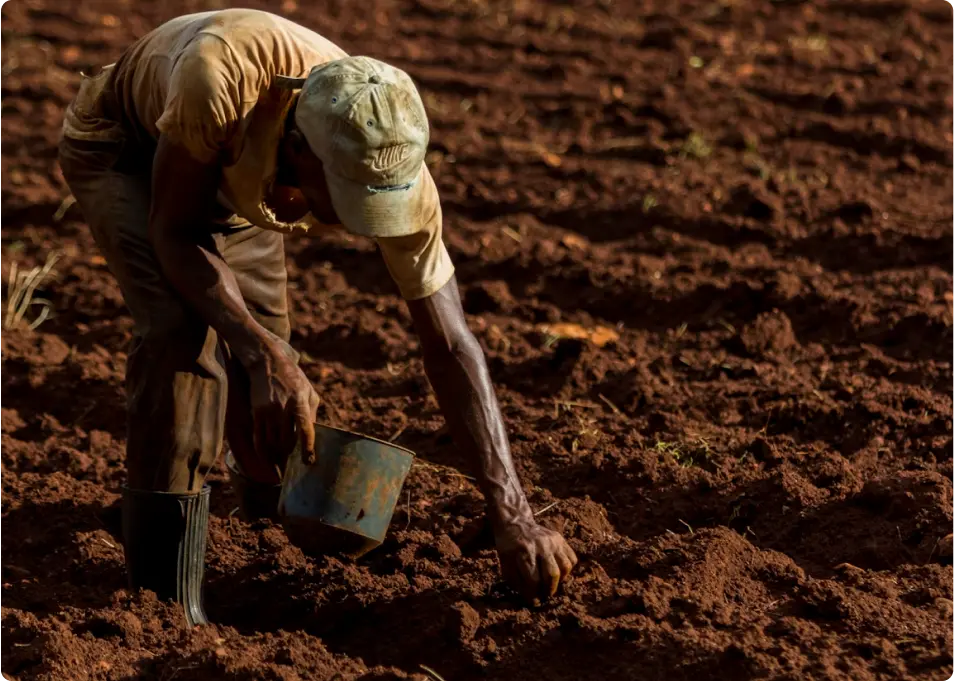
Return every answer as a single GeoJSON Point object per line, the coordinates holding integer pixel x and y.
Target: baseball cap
{"type": "Point", "coordinates": [366, 122]}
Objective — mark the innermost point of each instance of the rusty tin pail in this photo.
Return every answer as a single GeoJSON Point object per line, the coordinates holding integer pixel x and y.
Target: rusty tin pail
{"type": "Point", "coordinates": [343, 503]}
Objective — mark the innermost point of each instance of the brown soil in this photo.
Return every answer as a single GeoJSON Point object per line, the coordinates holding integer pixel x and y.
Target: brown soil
{"type": "Point", "coordinates": [757, 475]}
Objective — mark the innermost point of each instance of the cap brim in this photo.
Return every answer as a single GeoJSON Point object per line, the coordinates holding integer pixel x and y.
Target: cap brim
{"type": "Point", "coordinates": [376, 212]}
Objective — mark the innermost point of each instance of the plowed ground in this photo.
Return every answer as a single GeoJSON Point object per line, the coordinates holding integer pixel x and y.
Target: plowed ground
{"type": "Point", "coordinates": [755, 196]}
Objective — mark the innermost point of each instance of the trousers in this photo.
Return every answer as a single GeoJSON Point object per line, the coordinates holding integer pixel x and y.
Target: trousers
{"type": "Point", "coordinates": [185, 394]}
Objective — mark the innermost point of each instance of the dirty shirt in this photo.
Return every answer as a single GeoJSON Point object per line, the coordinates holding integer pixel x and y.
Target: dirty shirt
{"type": "Point", "coordinates": [207, 82]}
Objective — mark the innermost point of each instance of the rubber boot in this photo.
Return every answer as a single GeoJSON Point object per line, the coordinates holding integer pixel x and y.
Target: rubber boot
{"type": "Point", "coordinates": [255, 499]}
{"type": "Point", "coordinates": [165, 537]}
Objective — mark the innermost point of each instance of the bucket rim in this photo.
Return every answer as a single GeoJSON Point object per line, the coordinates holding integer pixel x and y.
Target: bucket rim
{"type": "Point", "coordinates": [366, 437]}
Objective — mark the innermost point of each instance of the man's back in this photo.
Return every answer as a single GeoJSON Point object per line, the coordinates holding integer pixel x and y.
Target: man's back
{"type": "Point", "coordinates": [205, 81]}
{"type": "Point", "coordinates": [197, 77]}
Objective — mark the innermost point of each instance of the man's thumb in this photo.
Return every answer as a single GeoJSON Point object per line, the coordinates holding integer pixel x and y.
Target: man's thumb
{"type": "Point", "coordinates": [307, 430]}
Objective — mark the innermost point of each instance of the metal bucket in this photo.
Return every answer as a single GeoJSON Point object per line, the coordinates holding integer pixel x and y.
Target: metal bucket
{"type": "Point", "coordinates": [343, 503]}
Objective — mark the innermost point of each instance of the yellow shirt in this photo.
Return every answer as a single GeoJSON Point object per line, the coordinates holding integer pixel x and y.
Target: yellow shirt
{"type": "Point", "coordinates": [206, 81]}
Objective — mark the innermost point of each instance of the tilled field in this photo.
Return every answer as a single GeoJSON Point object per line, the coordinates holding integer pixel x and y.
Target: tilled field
{"type": "Point", "coordinates": [752, 458]}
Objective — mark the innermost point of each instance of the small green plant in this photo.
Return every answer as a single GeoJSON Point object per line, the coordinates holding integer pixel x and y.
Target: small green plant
{"type": "Point", "coordinates": [687, 454]}
{"type": "Point", "coordinates": [696, 146]}
{"type": "Point", "coordinates": [672, 450]}
{"type": "Point", "coordinates": [814, 43]}
{"type": "Point", "coordinates": [649, 202]}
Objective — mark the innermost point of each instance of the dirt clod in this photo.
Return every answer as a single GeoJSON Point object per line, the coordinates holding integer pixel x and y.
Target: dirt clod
{"type": "Point", "coordinates": [769, 333]}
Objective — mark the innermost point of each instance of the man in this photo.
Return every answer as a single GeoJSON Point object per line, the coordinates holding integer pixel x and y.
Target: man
{"type": "Point", "coordinates": [190, 157]}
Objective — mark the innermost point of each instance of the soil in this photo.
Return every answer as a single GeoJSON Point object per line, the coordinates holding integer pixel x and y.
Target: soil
{"type": "Point", "coordinates": [756, 474]}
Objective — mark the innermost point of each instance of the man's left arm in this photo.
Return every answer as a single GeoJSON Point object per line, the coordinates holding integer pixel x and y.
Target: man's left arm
{"type": "Point", "coordinates": [533, 559]}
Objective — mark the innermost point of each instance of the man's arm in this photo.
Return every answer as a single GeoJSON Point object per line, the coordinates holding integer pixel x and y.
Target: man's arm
{"type": "Point", "coordinates": [183, 191]}
{"type": "Point", "coordinates": [532, 557]}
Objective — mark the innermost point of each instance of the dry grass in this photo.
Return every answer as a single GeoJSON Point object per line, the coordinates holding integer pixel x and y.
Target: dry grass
{"type": "Point", "coordinates": [21, 293]}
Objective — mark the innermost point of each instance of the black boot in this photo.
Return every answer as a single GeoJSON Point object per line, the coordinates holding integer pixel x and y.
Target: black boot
{"type": "Point", "coordinates": [164, 535]}
{"type": "Point", "coordinates": [255, 499]}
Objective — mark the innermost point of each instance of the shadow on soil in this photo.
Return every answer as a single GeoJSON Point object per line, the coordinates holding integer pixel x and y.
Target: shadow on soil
{"type": "Point", "coordinates": [93, 406]}
{"type": "Point", "coordinates": [425, 628]}
{"type": "Point", "coordinates": [566, 653]}
{"type": "Point", "coordinates": [49, 535]}
{"type": "Point", "coordinates": [885, 524]}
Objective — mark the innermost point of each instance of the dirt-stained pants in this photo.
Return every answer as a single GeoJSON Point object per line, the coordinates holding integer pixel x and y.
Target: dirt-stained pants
{"type": "Point", "coordinates": [184, 392]}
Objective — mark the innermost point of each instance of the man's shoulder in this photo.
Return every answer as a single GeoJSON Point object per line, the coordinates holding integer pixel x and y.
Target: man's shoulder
{"type": "Point", "coordinates": [250, 47]}
{"type": "Point", "coordinates": [252, 33]}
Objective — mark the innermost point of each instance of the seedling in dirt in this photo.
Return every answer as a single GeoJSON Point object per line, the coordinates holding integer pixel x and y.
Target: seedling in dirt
{"type": "Point", "coordinates": [791, 175]}
{"type": "Point", "coordinates": [585, 432]}
{"type": "Point", "coordinates": [814, 43]}
{"type": "Point", "coordinates": [21, 287]}
{"type": "Point", "coordinates": [736, 508]}
{"type": "Point", "coordinates": [649, 202]}
{"type": "Point", "coordinates": [758, 164]}
{"type": "Point", "coordinates": [696, 147]}
{"type": "Point", "coordinates": [672, 449]}
{"type": "Point", "coordinates": [433, 674]}
{"type": "Point", "coordinates": [687, 454]}
{"type": "Point", "coordinates": [550, 341]}
{"type": "Point", "coordinates": [726, 325]}
{"type": "Point", "coordinates": [696, 62]}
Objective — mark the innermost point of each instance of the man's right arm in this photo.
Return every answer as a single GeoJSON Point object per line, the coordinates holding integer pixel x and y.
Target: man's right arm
{"type": "Point", "coordinates": [183, 191]}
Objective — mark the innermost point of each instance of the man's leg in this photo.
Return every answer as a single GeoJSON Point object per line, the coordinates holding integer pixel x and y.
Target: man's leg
{"type": "Point", "coordinates": [257, 259]}
{"type": "Point", "coordinates": [176, 382]}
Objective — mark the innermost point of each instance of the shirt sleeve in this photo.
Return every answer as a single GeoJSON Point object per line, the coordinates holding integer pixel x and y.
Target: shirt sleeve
{"type": "Point", "coordinates": [419, 262]}
{"type": "Point", "coordinates": [203, 100]}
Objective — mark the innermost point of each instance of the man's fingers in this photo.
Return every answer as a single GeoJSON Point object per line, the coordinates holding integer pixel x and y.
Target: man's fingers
{"type": "Point", "coordinates": [566, 559]}
{"type": "Point", "coordinates": [306, 430]}
{"type": "Point", "coordinates": [549, 574]}
{"type": "Point", "coordinates": [572, 554]}
{"type": "Point", "coordinates": [529, 578]}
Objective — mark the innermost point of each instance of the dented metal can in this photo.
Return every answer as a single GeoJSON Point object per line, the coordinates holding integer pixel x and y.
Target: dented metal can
{"type": "Point", "coordinates": [342, 503]}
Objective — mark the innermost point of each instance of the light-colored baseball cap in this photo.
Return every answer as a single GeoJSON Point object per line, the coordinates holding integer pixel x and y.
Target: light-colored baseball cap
{"type": "Point", "coordinates": [366, 122]}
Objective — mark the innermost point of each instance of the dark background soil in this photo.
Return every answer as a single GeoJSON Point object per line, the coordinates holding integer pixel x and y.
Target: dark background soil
{"type": "Point", "coordinates": [755, 195]}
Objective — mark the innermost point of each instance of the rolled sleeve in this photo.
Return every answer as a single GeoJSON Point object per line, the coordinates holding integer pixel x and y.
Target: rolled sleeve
{"type": "Point", "coordinates": [419, 263]}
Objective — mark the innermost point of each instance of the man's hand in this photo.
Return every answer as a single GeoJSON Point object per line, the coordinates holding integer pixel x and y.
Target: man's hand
{"type": "Point", "coordinates": [283, 400]}
{"type": "Point", "coordinates": [533, 559]}
{"type": "Point", "coordinates": [284, 405]}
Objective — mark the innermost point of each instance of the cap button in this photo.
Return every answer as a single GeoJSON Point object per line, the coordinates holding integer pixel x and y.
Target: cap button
{"type": "Point", "coordinates": [373, 78]}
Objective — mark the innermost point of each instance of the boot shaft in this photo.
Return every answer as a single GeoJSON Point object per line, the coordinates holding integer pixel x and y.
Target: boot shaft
{"type": "Point", "coordinates": [165, 538]}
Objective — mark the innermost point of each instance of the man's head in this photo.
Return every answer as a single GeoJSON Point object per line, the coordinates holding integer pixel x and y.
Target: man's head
{"type": "Point", "coordinates": [365, 124]}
